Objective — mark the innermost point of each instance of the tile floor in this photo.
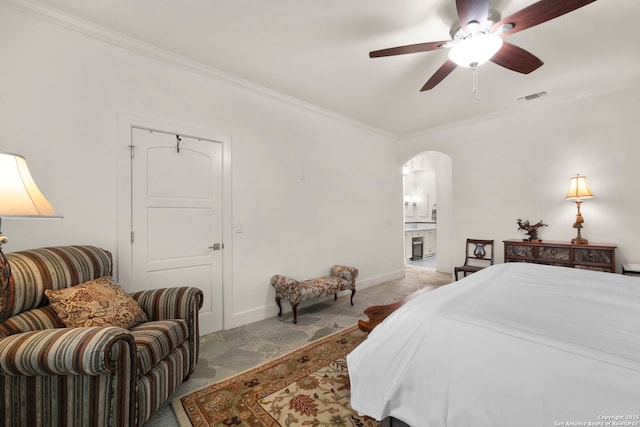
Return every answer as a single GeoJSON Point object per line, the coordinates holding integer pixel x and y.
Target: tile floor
{"type": "Point", "coordinates": [429, 262]}
{"type": "Point", "coordinates": [226, 353]}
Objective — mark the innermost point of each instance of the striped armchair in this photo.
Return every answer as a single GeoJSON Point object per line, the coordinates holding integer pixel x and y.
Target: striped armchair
{"type": "Point", "coordinates": [88, 376]}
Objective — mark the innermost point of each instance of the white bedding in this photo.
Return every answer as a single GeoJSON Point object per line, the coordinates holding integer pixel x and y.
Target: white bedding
{"type": "Point", "coordinates": [513, 345]}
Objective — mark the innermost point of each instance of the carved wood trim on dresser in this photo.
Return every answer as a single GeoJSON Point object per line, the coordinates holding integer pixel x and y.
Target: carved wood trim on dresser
{"type": "Point", "coordinates": [594, 256]}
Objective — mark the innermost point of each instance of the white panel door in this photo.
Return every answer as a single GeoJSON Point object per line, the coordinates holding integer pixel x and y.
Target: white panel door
{"type": "Point", "coordinates": [177, 217]}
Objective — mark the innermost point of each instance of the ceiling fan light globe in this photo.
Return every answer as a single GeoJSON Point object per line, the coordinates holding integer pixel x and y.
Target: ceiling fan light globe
{"type": "Point", "coordinates": [473, 26]}
{"type": "Point", "coordinates": [475, 50]}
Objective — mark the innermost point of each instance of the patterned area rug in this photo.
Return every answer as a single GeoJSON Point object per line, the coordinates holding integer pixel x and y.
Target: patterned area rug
{"type": "Point", "coordinates": [307, 387]}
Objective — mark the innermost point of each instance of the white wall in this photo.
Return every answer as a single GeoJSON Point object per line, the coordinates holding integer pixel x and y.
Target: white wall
{"type": "Point", "coordinates": [311, 189]}
{"type": "Point", "coordinates": [518, 165]}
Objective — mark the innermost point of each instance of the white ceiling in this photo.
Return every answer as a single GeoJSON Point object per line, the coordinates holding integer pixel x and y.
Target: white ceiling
{"type": "Point", "coordinates": [317, 51]}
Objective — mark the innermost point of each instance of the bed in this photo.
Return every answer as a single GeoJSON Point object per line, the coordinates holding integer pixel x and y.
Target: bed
{"type": "Point", "coordinates": [515, 344]}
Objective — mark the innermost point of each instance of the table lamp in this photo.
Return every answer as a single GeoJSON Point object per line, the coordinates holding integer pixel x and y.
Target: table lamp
{"type": "Point", "coordinates": [19, 198]}
{"type": "Point", "coordinates": [578, 190]}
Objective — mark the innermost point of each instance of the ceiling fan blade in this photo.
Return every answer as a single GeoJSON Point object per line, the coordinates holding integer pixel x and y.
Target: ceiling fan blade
{"type": "Point", "coordinates": [516, 58]}
{"type": "Point", "coordinates": [537, 13]}
{"type": "Point", "coordinates": [472, 10]}
{"type": "Point", "coordinates": [411, 48]}
{"type": "Point", "coordinates": [439, 75]}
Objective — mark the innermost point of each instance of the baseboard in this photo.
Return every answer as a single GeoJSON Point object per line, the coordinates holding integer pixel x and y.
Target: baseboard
{"type": "Point", "coordinates": [373, 281]}
{"type": "Point", "coordinates": [255, 315]}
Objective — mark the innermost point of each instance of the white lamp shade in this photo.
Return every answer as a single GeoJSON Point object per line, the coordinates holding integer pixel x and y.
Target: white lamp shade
{"type": "Point", "coordinates": [475, 50]}
{"type": "Point", "coordinates": [19, 194]}
{"type": "Point", "coordinates": [579, 188]}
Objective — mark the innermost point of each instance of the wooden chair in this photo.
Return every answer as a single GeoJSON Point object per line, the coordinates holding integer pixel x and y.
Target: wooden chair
{"type": "Point", "coordinates": [478, 255]}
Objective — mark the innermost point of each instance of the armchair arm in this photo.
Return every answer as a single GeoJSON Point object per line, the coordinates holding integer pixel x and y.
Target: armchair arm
{"type": "Point", "coordinates": [347, 273]}
{"type": "Point", "coordinates": [170, 303]}
{"type": "Point", "coordinates": [65, 351]}
{"type": "Point", "coordinates": [175, 303]}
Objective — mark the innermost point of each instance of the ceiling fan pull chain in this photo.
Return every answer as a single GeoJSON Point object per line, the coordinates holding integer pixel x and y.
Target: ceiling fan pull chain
{"type": "Point", "coordinates": [474, 72]}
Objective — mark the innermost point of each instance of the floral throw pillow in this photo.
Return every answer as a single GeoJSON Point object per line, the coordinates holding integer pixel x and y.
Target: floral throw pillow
{"type": "Point", "coordinates": [98, 302]}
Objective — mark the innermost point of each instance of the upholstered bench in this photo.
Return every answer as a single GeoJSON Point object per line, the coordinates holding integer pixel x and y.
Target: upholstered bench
{"type": "Point", "coordinates": [342, 278]}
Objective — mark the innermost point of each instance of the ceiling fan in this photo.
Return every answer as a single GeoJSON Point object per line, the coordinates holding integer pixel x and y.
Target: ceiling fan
{"type": "Point", "coordinates": [479, 37]}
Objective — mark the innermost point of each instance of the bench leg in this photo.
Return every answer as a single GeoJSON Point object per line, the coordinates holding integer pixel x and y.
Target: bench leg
{"type": "Point", "coordinates": [294, 308]}
{"type": "Point", "coordinates": [353, 292]}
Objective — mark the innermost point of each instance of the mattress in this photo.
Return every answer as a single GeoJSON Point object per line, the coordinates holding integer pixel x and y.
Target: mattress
{"type": "Point", "coordinates": [513, 345]}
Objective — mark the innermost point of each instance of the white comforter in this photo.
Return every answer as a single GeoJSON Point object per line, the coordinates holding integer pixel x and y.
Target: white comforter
{"type": "Point", "coordinates": [512, 345]}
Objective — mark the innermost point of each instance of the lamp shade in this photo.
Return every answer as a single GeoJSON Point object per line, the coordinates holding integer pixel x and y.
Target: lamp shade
{"type": "Point", "coordinates": [579, 188]}
{"type": "Point", "coordinates": [19, 194]}
{"type": "Point", "coordinates": [475, 50]}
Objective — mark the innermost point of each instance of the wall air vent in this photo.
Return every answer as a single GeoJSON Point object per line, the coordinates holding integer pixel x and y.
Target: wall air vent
{"type": "Point", "coordinates": [532, 96]}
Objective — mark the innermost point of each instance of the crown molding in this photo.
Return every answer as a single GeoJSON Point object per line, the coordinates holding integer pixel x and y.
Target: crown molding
{"type": "Point", "coordinates": [537, 105]}
{"type": "Point", "coordinates": [91, 29]}
{"type": "Point", "coordinates": [88, 28]}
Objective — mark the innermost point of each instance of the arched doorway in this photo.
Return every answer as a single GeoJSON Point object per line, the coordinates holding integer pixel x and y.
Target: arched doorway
{"type": "Point", "coordinates": [427, 183]}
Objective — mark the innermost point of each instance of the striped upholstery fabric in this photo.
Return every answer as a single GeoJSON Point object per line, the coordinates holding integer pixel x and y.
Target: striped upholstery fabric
{"type": "Point", "coordinates": [96, 376]}
{"type": "Point", "coordinates": [73, 400]}
{"type": "Point", "coordinates": [166, 375]}
{"type": "Point", "coordinates": [55, 268]}
{"type": "Point", "coordinates": [175, 303]}
{"type": "Point", "coordinates": [155, 340]}
{"type": "Point", "coordinates": [36, 319]}
{"type": "Point", "coordinates": [53, 351]}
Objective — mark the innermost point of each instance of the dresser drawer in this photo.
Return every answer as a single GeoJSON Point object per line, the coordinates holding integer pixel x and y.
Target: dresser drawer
{"type": "Point", "coordinates": [601, 256]}
{"type": "Point", "coordinates": [550, 253]}
{"type": "Point", "coordinates": [519, 251]}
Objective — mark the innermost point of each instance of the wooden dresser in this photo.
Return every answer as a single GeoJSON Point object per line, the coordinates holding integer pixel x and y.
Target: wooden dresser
{"type": "Point", "coordinates": [596, 256]}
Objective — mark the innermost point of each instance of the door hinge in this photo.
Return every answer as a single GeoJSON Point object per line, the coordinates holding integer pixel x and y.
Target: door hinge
{"type": "Point", "coordinates": [132, 236]}
{"type": "Point", "coordinates": [132, 151]}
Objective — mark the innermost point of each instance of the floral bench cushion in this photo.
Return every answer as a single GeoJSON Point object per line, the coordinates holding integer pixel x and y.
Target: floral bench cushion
{"type": "Point", "coordinates": [296, 292]}
{"type": "Point", "coordinates": [342, 278]}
